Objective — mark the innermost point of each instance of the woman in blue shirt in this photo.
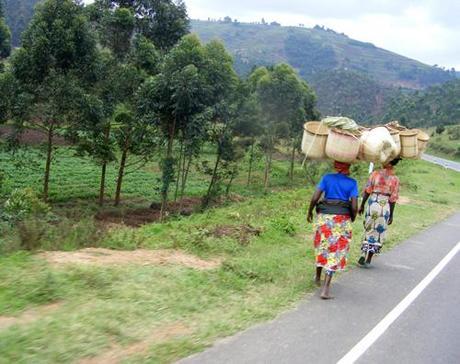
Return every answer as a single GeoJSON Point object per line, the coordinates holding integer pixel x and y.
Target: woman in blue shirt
{"type": "Point", "coordinates": [335, 213]}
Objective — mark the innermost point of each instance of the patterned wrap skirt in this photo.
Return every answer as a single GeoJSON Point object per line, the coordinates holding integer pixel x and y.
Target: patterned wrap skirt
{"type": "Point", "coordinates": [332, 241]}
{"type": "Point", "coordinates": [375, 223]}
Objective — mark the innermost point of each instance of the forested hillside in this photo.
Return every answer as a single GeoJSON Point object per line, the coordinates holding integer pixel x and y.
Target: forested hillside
{"type": "Point", "coordinates": [352, 94]}
{"type": "Point", "coordinates": [438, 105]}
{"type": "Point", "coordinates": [18, 15]}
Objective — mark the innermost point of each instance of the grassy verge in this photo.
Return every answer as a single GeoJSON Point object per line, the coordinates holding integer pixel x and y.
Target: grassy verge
{"type": "Point", "coordinates": [122, 306]}
{"type": "Point", "coordinates": [447, 144]}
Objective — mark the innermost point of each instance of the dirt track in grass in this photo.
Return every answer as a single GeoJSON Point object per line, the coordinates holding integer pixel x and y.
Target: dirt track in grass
{"type": "Point", "coordinates": [104, 257]}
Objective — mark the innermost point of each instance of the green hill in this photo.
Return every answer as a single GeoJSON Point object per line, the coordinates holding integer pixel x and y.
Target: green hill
{"type": "Point", "coordinates": [316, 50]}
{"type": "Point", "coordinates": [18, 14]}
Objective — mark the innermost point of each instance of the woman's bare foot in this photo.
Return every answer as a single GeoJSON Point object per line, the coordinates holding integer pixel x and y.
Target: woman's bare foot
{"type": "Point", "coordinates": [325, 296]}
{"type": "Point", "coordinates": [317, 281]}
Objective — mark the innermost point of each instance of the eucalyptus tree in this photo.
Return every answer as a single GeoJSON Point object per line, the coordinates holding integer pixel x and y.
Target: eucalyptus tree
{"type": "Point", "coordinates": [172, 97]}
{"type": "Point", "coordinates": [286, 102]}
{"type": "Point", "coordinates": [127, 59]}
{"type": "Point", "coordinates": [248, 123]}
{"type": "Point", "coordinates": [183, 99]}
{"type": "Point", "coordinates": [53, 70]}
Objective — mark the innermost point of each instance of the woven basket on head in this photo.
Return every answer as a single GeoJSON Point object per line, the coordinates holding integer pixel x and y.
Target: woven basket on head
{"type": "Point", "coordinates": [314, 140]}
{"type": "Point", "coordinates": [409, 147]}
{"type": "Point", "coordinates": [396, 137]}
{"type": "Point", "coordinates": [422, 142]}
{"type": "Point", "coordinates": [342, 146]}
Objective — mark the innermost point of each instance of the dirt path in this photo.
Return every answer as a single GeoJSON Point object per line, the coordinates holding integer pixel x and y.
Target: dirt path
{"type": "Point", "coordinates": [28, 316]}
{"type": "Point", "coordinates": [117, 353]}
{"type": "Point", "coordinates": [101, 257]}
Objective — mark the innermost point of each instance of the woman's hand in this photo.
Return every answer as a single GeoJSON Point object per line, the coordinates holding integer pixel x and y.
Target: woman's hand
{"type": "Point", "coordinates": [310, 217]}
{"type": "Point", "coordinates": [361, 210]}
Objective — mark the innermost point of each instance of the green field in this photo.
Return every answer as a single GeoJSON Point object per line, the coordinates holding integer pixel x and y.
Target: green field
{"type": "Point", "coordinates": [446, 144]}
{"type": "Point", "coordinates": [158, 313]}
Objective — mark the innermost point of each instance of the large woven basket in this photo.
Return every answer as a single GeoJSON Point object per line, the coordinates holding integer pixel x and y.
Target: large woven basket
{"type": "Point", "coordinates": [314, 140]}
{"type": "Point", "coordinates": [377, 145]}
{"type": "Point", "coordinates": [422, 142]}
{"type": "Point", "coordinates": [342, 146]}
{"type": "Point", "coordinates": [409, 147]}
{"type": "Point", "coordinates": [396, 137]}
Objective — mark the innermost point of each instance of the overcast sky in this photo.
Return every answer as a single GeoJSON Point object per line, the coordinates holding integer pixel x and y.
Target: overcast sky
{"type": "Point", "coordinates": [426, 30]}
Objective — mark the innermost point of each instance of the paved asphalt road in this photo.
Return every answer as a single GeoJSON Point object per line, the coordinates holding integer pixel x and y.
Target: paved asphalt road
{"type": "Point", "coordinates": [317, 331]}
{"type": "Point", "coordinates": [442, 162]}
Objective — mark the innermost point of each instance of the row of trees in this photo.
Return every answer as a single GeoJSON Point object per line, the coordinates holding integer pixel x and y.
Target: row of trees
{"type": "Point", "coordinates": [125, 82]}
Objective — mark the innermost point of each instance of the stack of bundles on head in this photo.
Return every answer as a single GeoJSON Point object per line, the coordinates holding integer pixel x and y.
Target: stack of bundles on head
{"type": "Point", "coordinates": [342, 139]}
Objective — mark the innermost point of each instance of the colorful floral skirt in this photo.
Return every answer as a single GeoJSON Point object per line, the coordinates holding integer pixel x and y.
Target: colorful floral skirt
{"type": "Point", "coordinates": [332, 241]}
{"type": "Point", "coordinates": [375, 223]}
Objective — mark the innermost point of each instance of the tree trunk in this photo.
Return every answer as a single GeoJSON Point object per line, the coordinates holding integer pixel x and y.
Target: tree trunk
{"type": "Point", "coordinates": [104, 171]}
{"type": "Point", "coordinates": [121, 173]}
{"type": "Point", "coordinates": [49, 156]}
{"type": "Point", "coordinates": [164, 194]}
{"type": "Point", "coordinates": [268, 167]}
{"type": "Point", "coordinates": [179, 169]}
{"type": "Point", "coordinates": [251, 160]}
{"type": "Point", "coordinates": [229, 185]}
{"type": "Point", "coordinates": [213, 181]}
{"type": "Point", "coordinates": [291, 170]}
{"type": "Point", "coordinates": [102, 186]}
{"type": "Point", "coordinates": [184, 180]}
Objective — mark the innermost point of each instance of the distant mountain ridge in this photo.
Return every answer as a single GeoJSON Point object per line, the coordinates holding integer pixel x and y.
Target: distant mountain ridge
{"type": "Point", "coordinates": [351, 78]}
{"type": "Point", "coordinates": [318, 49]}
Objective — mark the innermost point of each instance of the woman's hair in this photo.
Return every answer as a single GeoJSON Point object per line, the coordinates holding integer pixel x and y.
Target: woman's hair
{"type": "Point", "coordinates": [395, 161]}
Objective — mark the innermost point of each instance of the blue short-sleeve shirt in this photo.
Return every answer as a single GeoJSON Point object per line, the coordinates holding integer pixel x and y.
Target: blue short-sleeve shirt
{"type": "Point", "coordinates": [338, 186]}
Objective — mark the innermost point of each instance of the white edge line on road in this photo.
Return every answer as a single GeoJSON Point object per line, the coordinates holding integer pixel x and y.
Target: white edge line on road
{"type": "Point", "coordinates": [366, 342]}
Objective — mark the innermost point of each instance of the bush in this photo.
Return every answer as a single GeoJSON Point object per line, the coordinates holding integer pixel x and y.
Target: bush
{"type": "Point", "coordinates": [31, 233]}
{"type": "Point", "coordinates": [284, 224]}
{"type": "Point", "coordinates": [22, 204]}
{"type": "Point", "coordinates": [440, 129]}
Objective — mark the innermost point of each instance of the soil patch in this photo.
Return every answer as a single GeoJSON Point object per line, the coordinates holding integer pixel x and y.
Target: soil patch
{"type": "Point", "coordinates": [403, 200]}
{"type": "Point", "coordinates": [102, 257]}
{"type": "Point", "coordinates": [243, 233]}
{"type": "Point", "coordinates": [28, 316]}
{"type": "Point", "coordinates": [30, 137]}
{"type": "Point", "coordinates": [141, 216]}
{"type": "Point", "coordinates": [117, 353]}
